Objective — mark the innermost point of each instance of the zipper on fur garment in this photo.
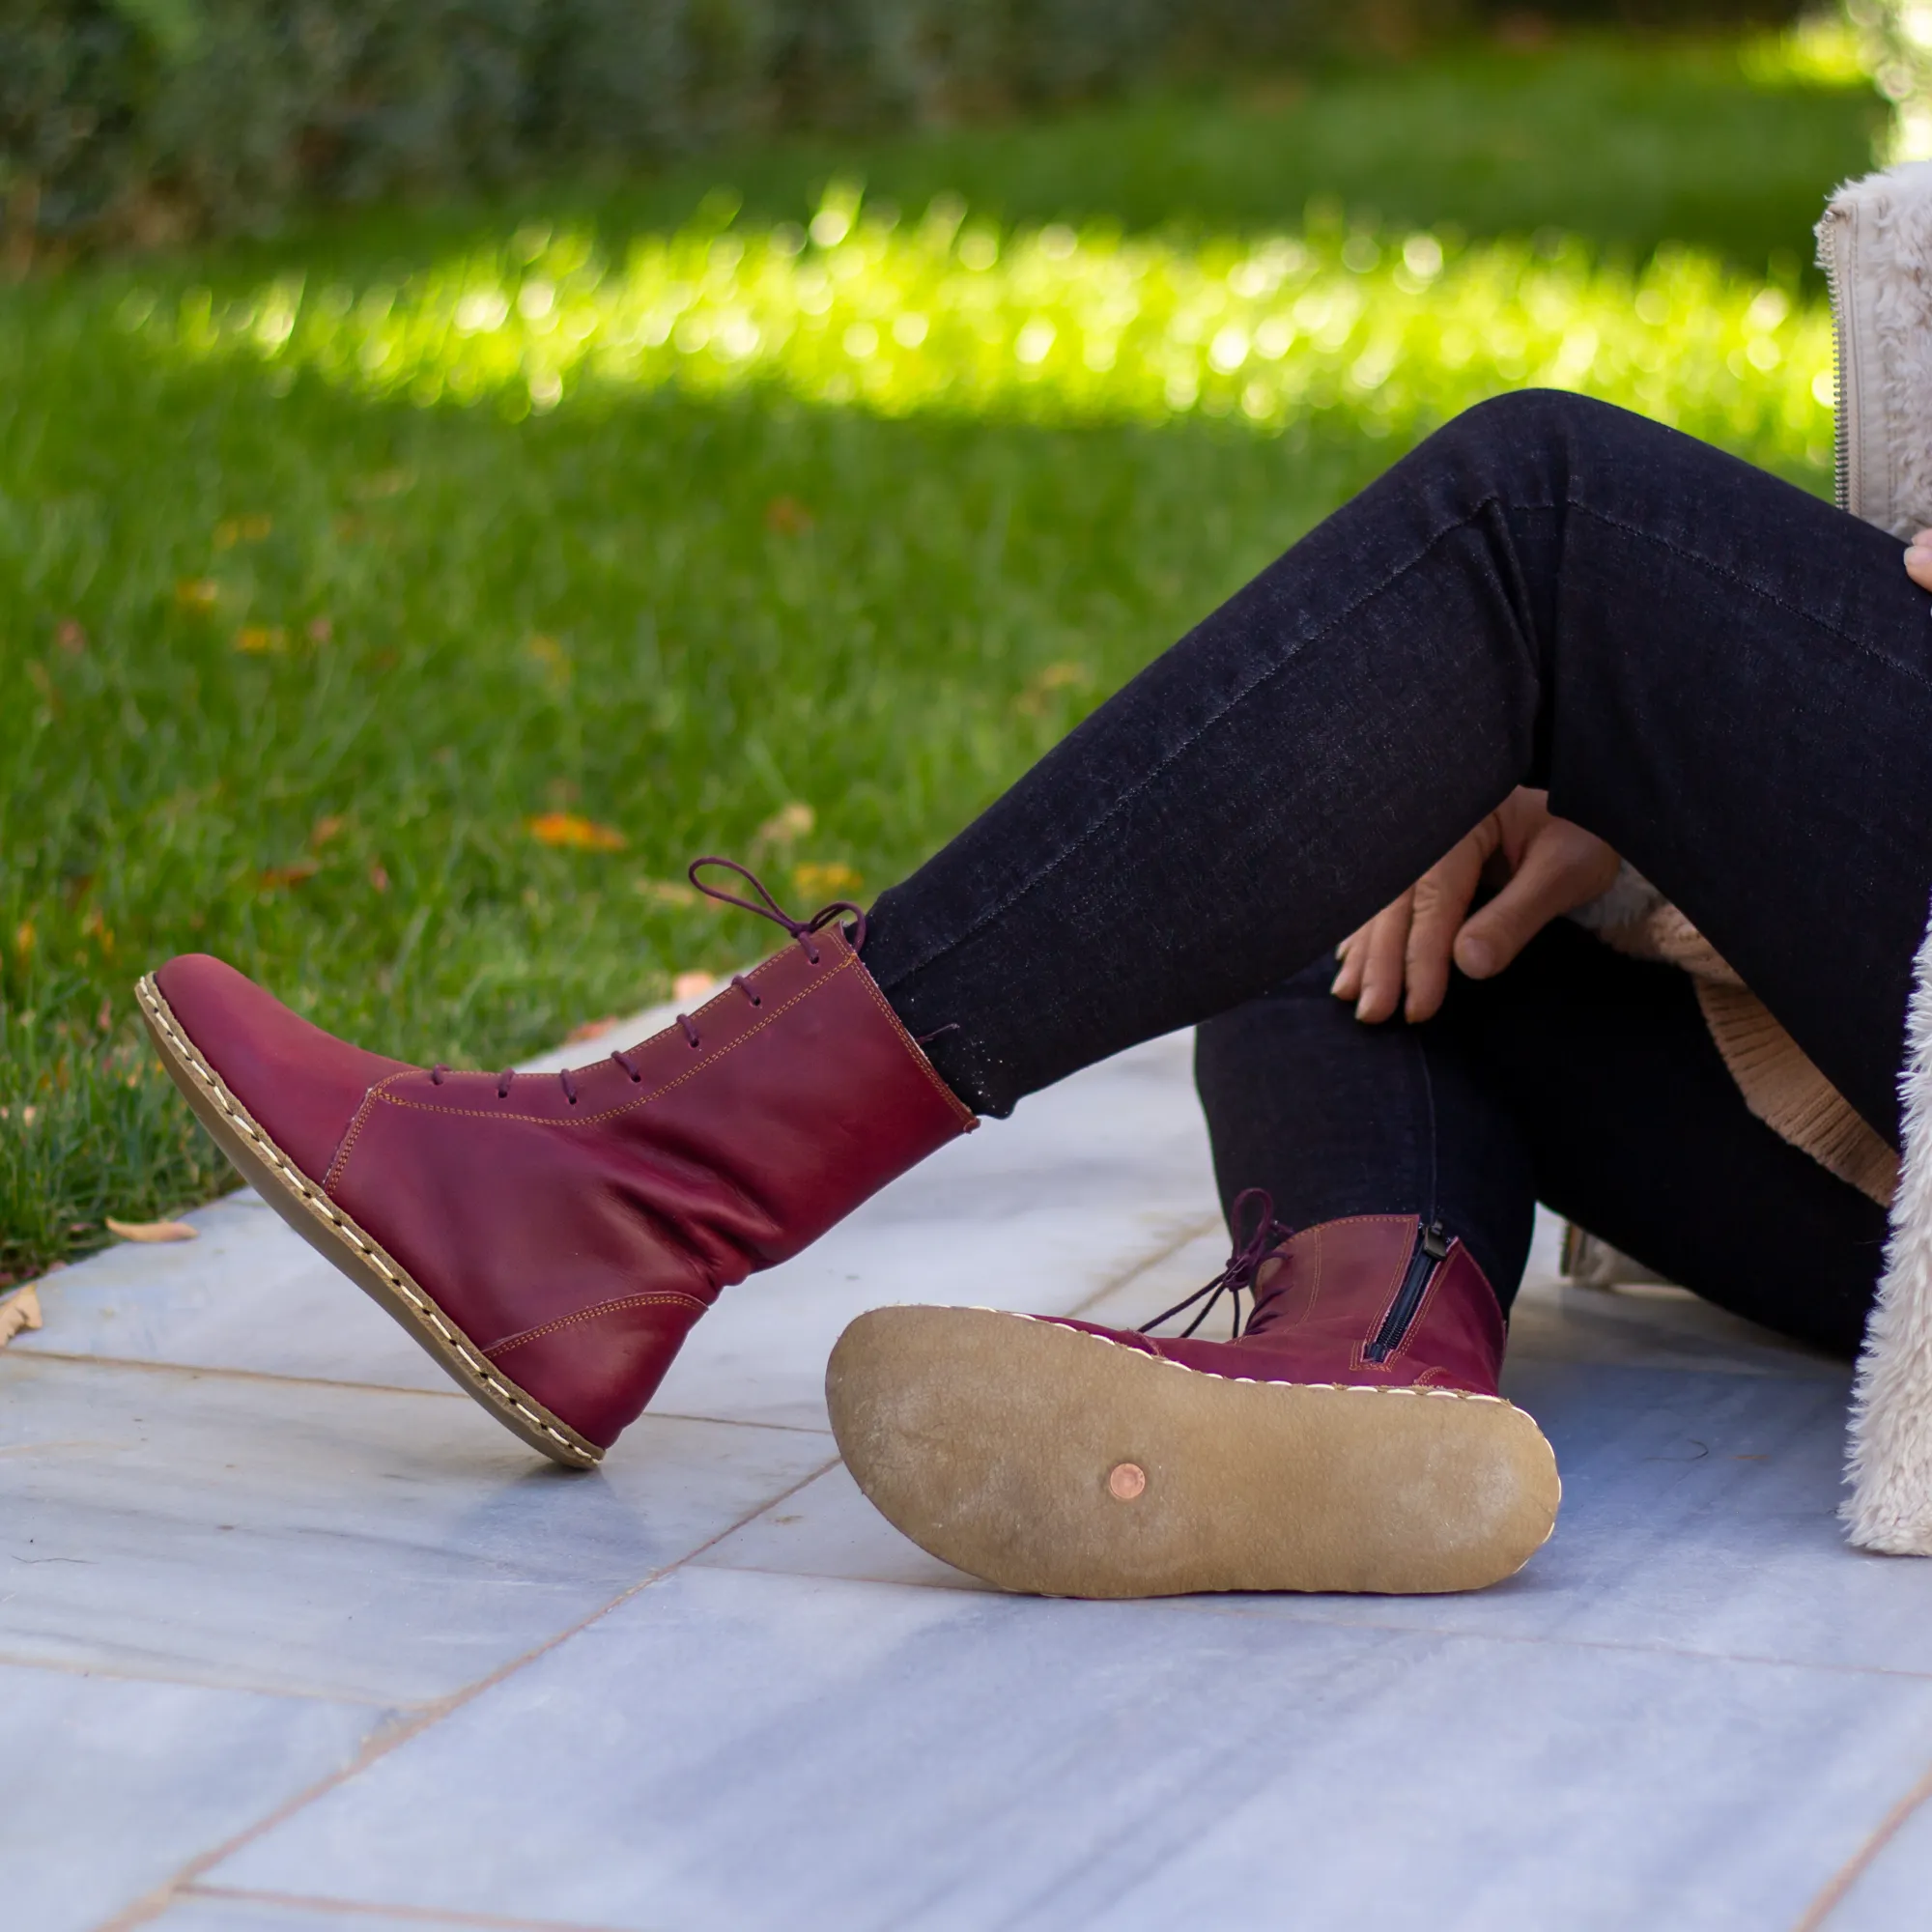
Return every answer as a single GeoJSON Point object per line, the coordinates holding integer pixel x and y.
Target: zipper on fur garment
{"type": "Point", "coordinates": [1838, 236]}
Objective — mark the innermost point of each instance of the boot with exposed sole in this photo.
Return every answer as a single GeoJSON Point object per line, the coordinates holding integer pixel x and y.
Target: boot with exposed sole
{"type": "Point", "coordinates": [1351, 1439]}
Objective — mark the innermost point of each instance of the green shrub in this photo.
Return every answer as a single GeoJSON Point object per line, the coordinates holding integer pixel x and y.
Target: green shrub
{"type": "Point", "coordinates": [147, 120]}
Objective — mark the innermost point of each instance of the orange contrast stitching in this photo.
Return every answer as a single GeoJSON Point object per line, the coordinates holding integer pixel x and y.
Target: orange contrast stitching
{"type": "Point", "coordinates": [644, 1099]}
{"type": "Point", "coordinates": [603, 1308]}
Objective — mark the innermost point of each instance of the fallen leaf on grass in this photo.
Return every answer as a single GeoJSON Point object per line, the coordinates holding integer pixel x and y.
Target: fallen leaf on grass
{"type": "Point", "coordinates": [152, 1231]}
{"type": "Point", "coordinates": [232, 530]}
{"type": "Point", "coordinates": [274, 878]}
{"type": "Point", "coordinates": [71, 638]}
{"type": "Point", "coordinates": [552, 657]}
{"type": "Point", "coordinates": [260, 640]}
{"type": "Point", "coordinates": [825, 881]}
{"type": "Point", "coordinates": [384, 483]}
{"type": "Point", "coordinates": [693, 986]}
{"type": "Point", "coordinates": [197, 593]}
{"type": "Point", "coordinates": [569, 833]}
{"type": "Point", "coordinates": [28, 1115]}
{"type": "Point", "coordinates": [1031, 700]}
{"type": "Point", "coordinates": [589, 1029]}
{"type": "Point", "coordinates": [788, 825]}
{"type": "Point", "coordinates": [20, 1312]}
{"type": "Point", "coordinates": [787, 516]}
{"type": "Point", "coordinates": [379, 879]}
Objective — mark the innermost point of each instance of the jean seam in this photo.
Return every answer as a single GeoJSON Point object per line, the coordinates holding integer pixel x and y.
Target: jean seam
{"type": "Point", "coordinates": [1738, 580]}
{"type": "Point", "coordinates": [1435, 1136]}
{"type": "Point", "coordinates": [1038, 877]}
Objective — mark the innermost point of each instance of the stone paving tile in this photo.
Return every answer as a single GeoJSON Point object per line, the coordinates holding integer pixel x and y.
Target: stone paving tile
{"type": "Point", "coordinates": [1894, 1891]}
{"type": "Point", "coordinates": [200, 1910]}
{"type": "Point", "coordinates": [1691, 1710]}
{"type": "Point", "coordinates": [358, 1542]}
{"type": "Point", "coordinates": [749, 1750]}
{"type": "Point", "coordinates": [1672, 1535]}
{"type": "Point", "coordinates": [107, 1787]}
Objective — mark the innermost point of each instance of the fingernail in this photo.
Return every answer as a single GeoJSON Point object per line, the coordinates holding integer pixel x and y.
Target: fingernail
{"type": "Point", "coordinates": [1475, 959]}
{"type": "Point", "coordinates": [1916, 553]}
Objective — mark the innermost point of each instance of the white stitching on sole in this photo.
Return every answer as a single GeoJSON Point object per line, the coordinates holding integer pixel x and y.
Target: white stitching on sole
{"type": "Point", "coordinates": [1248, 1381]}
{"type": "Point", "coordinates": [502, 1392]}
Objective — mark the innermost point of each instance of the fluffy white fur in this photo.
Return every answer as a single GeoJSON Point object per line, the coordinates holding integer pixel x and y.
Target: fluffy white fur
{"type": "Point", "coordinates": [1876, 244]}
{"type": "Point", "coordinates": [1888, 1461]}
{"type": "Point", "coordinates": [1876, 240]}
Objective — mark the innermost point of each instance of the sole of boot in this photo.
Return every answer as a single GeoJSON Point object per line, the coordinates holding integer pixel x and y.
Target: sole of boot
{"type": "Point", "coordinates": [337, 1238]}
{"type": "Point", "coordinates": [1049, 1461]}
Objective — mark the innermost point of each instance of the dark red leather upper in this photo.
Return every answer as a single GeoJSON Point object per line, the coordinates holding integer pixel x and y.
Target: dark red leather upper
{"type": "Point", "coordinates": [276, 1063]}
{"type": "Point", "coordinates": [1321, 1301]}
{"type": "Point", "coordinates": [575, 1242]}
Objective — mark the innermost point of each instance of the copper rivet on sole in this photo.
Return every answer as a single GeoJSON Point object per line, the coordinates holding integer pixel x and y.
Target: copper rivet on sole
{"type": "Point", "coordinates": [1127, 1481]}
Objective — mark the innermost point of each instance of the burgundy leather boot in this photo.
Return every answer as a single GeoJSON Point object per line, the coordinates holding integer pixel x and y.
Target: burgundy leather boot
{"type": "Point", "coordinates": [1349, 1439]}
{"type": "Point", "coordinates": [551, 1238]}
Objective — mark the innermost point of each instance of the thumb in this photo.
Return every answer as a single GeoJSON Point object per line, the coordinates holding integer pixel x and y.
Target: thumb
{"type": "Point", "coordinates": [1490, 937]}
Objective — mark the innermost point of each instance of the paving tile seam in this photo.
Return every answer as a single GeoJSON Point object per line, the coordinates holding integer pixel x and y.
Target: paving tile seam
{"type": "Point", "coordinates": [1201, 1606]}
{"type": "Point", "coordinates": [423, 1915]}
{"type": "Point", "coordinates": [121, 1672]}
{"type": "Point", "coordinates": [425, 1718]}
{"type": "Point", "coordinates": [1819, 1913]}
{"type": "Point", "coordinates": [1166, 1250]}
{"type": "Point", "coordinates": [142, 1365]}
{"type": "Point", "coordinates": [734, 1422]}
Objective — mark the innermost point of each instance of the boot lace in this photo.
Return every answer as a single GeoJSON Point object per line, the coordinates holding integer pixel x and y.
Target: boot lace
{"type": "Point", "coordinates": [801, 930]}
{"type": "Point", "coordinates": [1237, 1278]}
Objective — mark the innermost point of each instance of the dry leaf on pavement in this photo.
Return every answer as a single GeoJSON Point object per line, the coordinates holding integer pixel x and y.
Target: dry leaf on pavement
{"type": "Point", "coordinates": [152, 1231]}
{"type": "Point", "coordinates": [19, 1311]}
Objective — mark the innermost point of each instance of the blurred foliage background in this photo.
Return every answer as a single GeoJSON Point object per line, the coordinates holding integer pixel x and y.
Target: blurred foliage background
{"type": "Point", "coordinates": [151, 120]}
{"type": "Point", "coordinates": [458, 461]}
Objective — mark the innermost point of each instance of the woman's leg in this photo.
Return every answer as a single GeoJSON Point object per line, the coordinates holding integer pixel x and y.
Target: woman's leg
{"type": "Point", "coordinates": [1334, 1118]}
{"type": "Point", "coordinates": [1577, 1077]}
{"type": "Point", "coordinates": [1727, 679]}
{"type": "Point", "coordinates": [1636, 1131]}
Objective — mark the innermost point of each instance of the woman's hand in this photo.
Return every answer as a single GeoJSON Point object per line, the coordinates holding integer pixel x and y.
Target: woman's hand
{"type": "Point", "coordinates": [1918, 560]}
{"type": "Point", "coordinates": [1401, 956]}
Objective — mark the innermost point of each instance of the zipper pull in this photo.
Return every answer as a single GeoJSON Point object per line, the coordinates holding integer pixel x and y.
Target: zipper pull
{"type": "Point", "coordinates": [1434, 1242]}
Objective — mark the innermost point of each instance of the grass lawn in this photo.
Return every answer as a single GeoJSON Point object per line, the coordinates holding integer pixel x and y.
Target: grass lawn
{"type": "Point", "coordinates": [317, 588]}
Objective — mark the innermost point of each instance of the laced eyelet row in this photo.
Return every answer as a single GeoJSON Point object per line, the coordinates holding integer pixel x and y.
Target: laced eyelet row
{"type": "Point", "coordinates": [1237, 1278]}
{"type": "Point", "coordinates": [800, 929]}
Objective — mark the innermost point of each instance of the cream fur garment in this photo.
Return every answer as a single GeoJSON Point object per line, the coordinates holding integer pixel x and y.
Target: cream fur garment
{"type": "Point", "coordinates": [1875, 245]}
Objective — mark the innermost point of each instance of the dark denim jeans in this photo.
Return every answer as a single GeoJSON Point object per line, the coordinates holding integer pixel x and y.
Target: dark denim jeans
{"type": "Point", "coordinates": [1577, 1077]}
{"type": "Point", "coordinates": [1726, 678]}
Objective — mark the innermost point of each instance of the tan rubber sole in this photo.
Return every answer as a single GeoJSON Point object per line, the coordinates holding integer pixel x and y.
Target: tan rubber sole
{"type": "Point", "coordinates": [1053, 1461]}
{"type": "Point", "coordinates": [336, 1237]}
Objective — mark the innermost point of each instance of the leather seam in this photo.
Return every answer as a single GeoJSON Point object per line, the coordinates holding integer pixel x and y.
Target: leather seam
{"type": "Point", "coordinates": [710, 1060]}
{"type": "Point", "coordinates": [339, 1162]}
{"type": "Point", "coordinates": [959, 1109]}
{"type": "Point", "coordinates": [423, 1308]}
{"type": "Point", "coordinates": [669, 1299]}
{"type": "Point", "coordinates": [1252, 1382]}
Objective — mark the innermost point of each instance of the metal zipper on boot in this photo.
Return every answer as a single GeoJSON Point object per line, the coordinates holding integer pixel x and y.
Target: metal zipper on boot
{"type": "Point", "coordinates": [1431, 1247]}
